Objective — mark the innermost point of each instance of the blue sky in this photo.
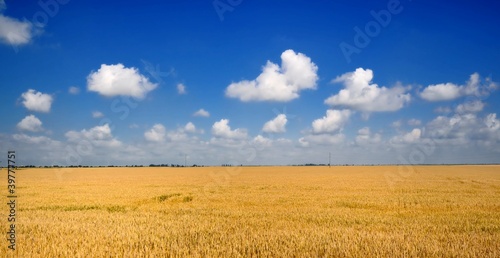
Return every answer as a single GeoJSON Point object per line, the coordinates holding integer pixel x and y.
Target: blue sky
{"type": "Point", "coordinates": [249, 82]}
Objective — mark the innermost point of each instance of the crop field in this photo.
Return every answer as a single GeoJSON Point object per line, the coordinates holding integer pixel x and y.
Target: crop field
{"type": "Point", "coordinates": [354, 211]}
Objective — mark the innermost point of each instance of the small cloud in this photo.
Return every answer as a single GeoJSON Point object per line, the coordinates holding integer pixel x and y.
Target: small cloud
{"type": "Point", "coordinates": [97, 114]}
{"type": "Point", "coordinates": [278, 83]}
{"type": "Point", "coordinates": [414, 122]}
{"type": "Point", "coordinates": [13, 31]}
{"type": "Point", "coordinates": [333, 121]}
{"type": "Point", "coordinates": [223, 130]}
{"type": "Point", "coordinates": [443, 110]}
{"type": "Point", "coordinates": [409, 137]}
{"type": "Point", "coordinates": [181, 89]}
{"type": "Point", "coordinates": [365, 136]}
{"type": "Point", "coordinates": [190, 128]}
{"type": "Point", "coordinates": [396, 124]}
{"type": "Point", "coordinates": [277, 125]}
{"type": "Point", "coordinates": [37, 101]}
{"type": "Point", "coordinates": [201, 112]}
{"type": "Point", "coordinates": [30, 123]}
{"type": "Point", "coordinates": [156, 133]}
{"type": "Point", "coordinates": [133, 126]}
{"type": "Point", "coordinates": [118, 80]}
{"type": "Point", "coordinates": [73, 90]}
{"type": "Point", "coordinates": [440, 92]}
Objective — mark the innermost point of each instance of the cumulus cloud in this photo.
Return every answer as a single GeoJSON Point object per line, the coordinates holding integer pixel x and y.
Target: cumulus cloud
{"type": "Point", "coordinates": [181, 89]}
{"type": "Point", "coordinates": [450, 91]}
{"type": "Point", "coordinates": [361, 94]}
{"type": "Point", "coordinates": [117, 80]}
{"type": "Point", "coordinates": [466, 132]}
{"type": "Point", "coordinates": [333, 121]}
{"type": "Point", "coordinates": [99, 136]}
{"type": "Point", "coordinates": [277, 125]}
{"type": "Point", "coordinates": [457, 129]}
{"type": "Point", "coordinates": [156, 133]}
{"type": "Point", "coordinates": [37, 101]}
{"type": "Point", "coordinates": [275, 83]}
{"type": "Point", "coordinates": [13, 31]}
{"type": "Point", "coordinates": [30, 123]}
{"type": "Point", "coordinates": [201, 112]}
{"type": "Point", "coordinates": [222, 129]}
{"type": "Point", "coordinates": [439, 92]}
{"type": "Point", "coordinates": [73, 90]}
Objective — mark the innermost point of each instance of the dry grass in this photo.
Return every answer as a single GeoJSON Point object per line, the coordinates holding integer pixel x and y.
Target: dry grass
{"type": "Point", "coordinates": [428, 211]}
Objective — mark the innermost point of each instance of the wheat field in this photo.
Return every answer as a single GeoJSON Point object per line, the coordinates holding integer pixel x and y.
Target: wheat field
{"type": "Point", "coordinates": [355, 211]}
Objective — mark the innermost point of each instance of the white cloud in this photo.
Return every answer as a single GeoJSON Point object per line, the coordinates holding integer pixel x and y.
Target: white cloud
{"type": "Point", "coordinates": [73, 90]}
{"type": "Point", "coordinates": [181, 89]}
{"type": "Point", "coordinates": [97, 114]}
{"type": "Point", "coordinates": [98, 136]}
{"type": "Point", "coordinates": [30, 123]}
{"type": "Point", "coordinates": [397, 124]}
{"type": "Point", "coordinates": [365, 136]}
{"type": "Point", "coordinates": [456, 129]}
{"type": "Point", "coordinates": [414, 122]}
{"type": "Point", "coordinates": [409, 137]}
{"type": "Point", "coordinates": [470, 107]}
{"type": "Point", "coordinates": [451, 91]}
{"type": "Point", "coordinates": [261, 140]}
{"type": "Point", "coordinates": [37, 101]}
{"type": "Point", "coordinates": [117, 80]}
{"type": "Point", "coordinates": [321, 139]}
{"type": "Point", "coordinates": [156, 133]}
{"type": "Point", "coordinates": [439, 92]}
{"type": "Point", "coordinates": [40, 140]}
{"type": "Point", "coordinates": [275, 83]}
{"type": "Point", "coordinates": [492, 123]}
{"type": "Point", "coordinates": [333, 121]}
{"type": "Point", "coordinates": [361, 94]}
{"type": "Point", "coordinates": [202, 112]}
{"type": "Point", "coordinates": [15, 32]}
{"type": "Point", "coordinates": [190, 128]}
{"type": "Point", "coordinates": [443, 110]}
{"type": "Point", "coordinates": [223, 130]}
{"type": "Point", "coordinates": [277, 125]}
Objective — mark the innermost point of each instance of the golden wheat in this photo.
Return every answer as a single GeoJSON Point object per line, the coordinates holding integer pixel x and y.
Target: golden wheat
{"type": "Point", "coordinates": [424, 211]}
